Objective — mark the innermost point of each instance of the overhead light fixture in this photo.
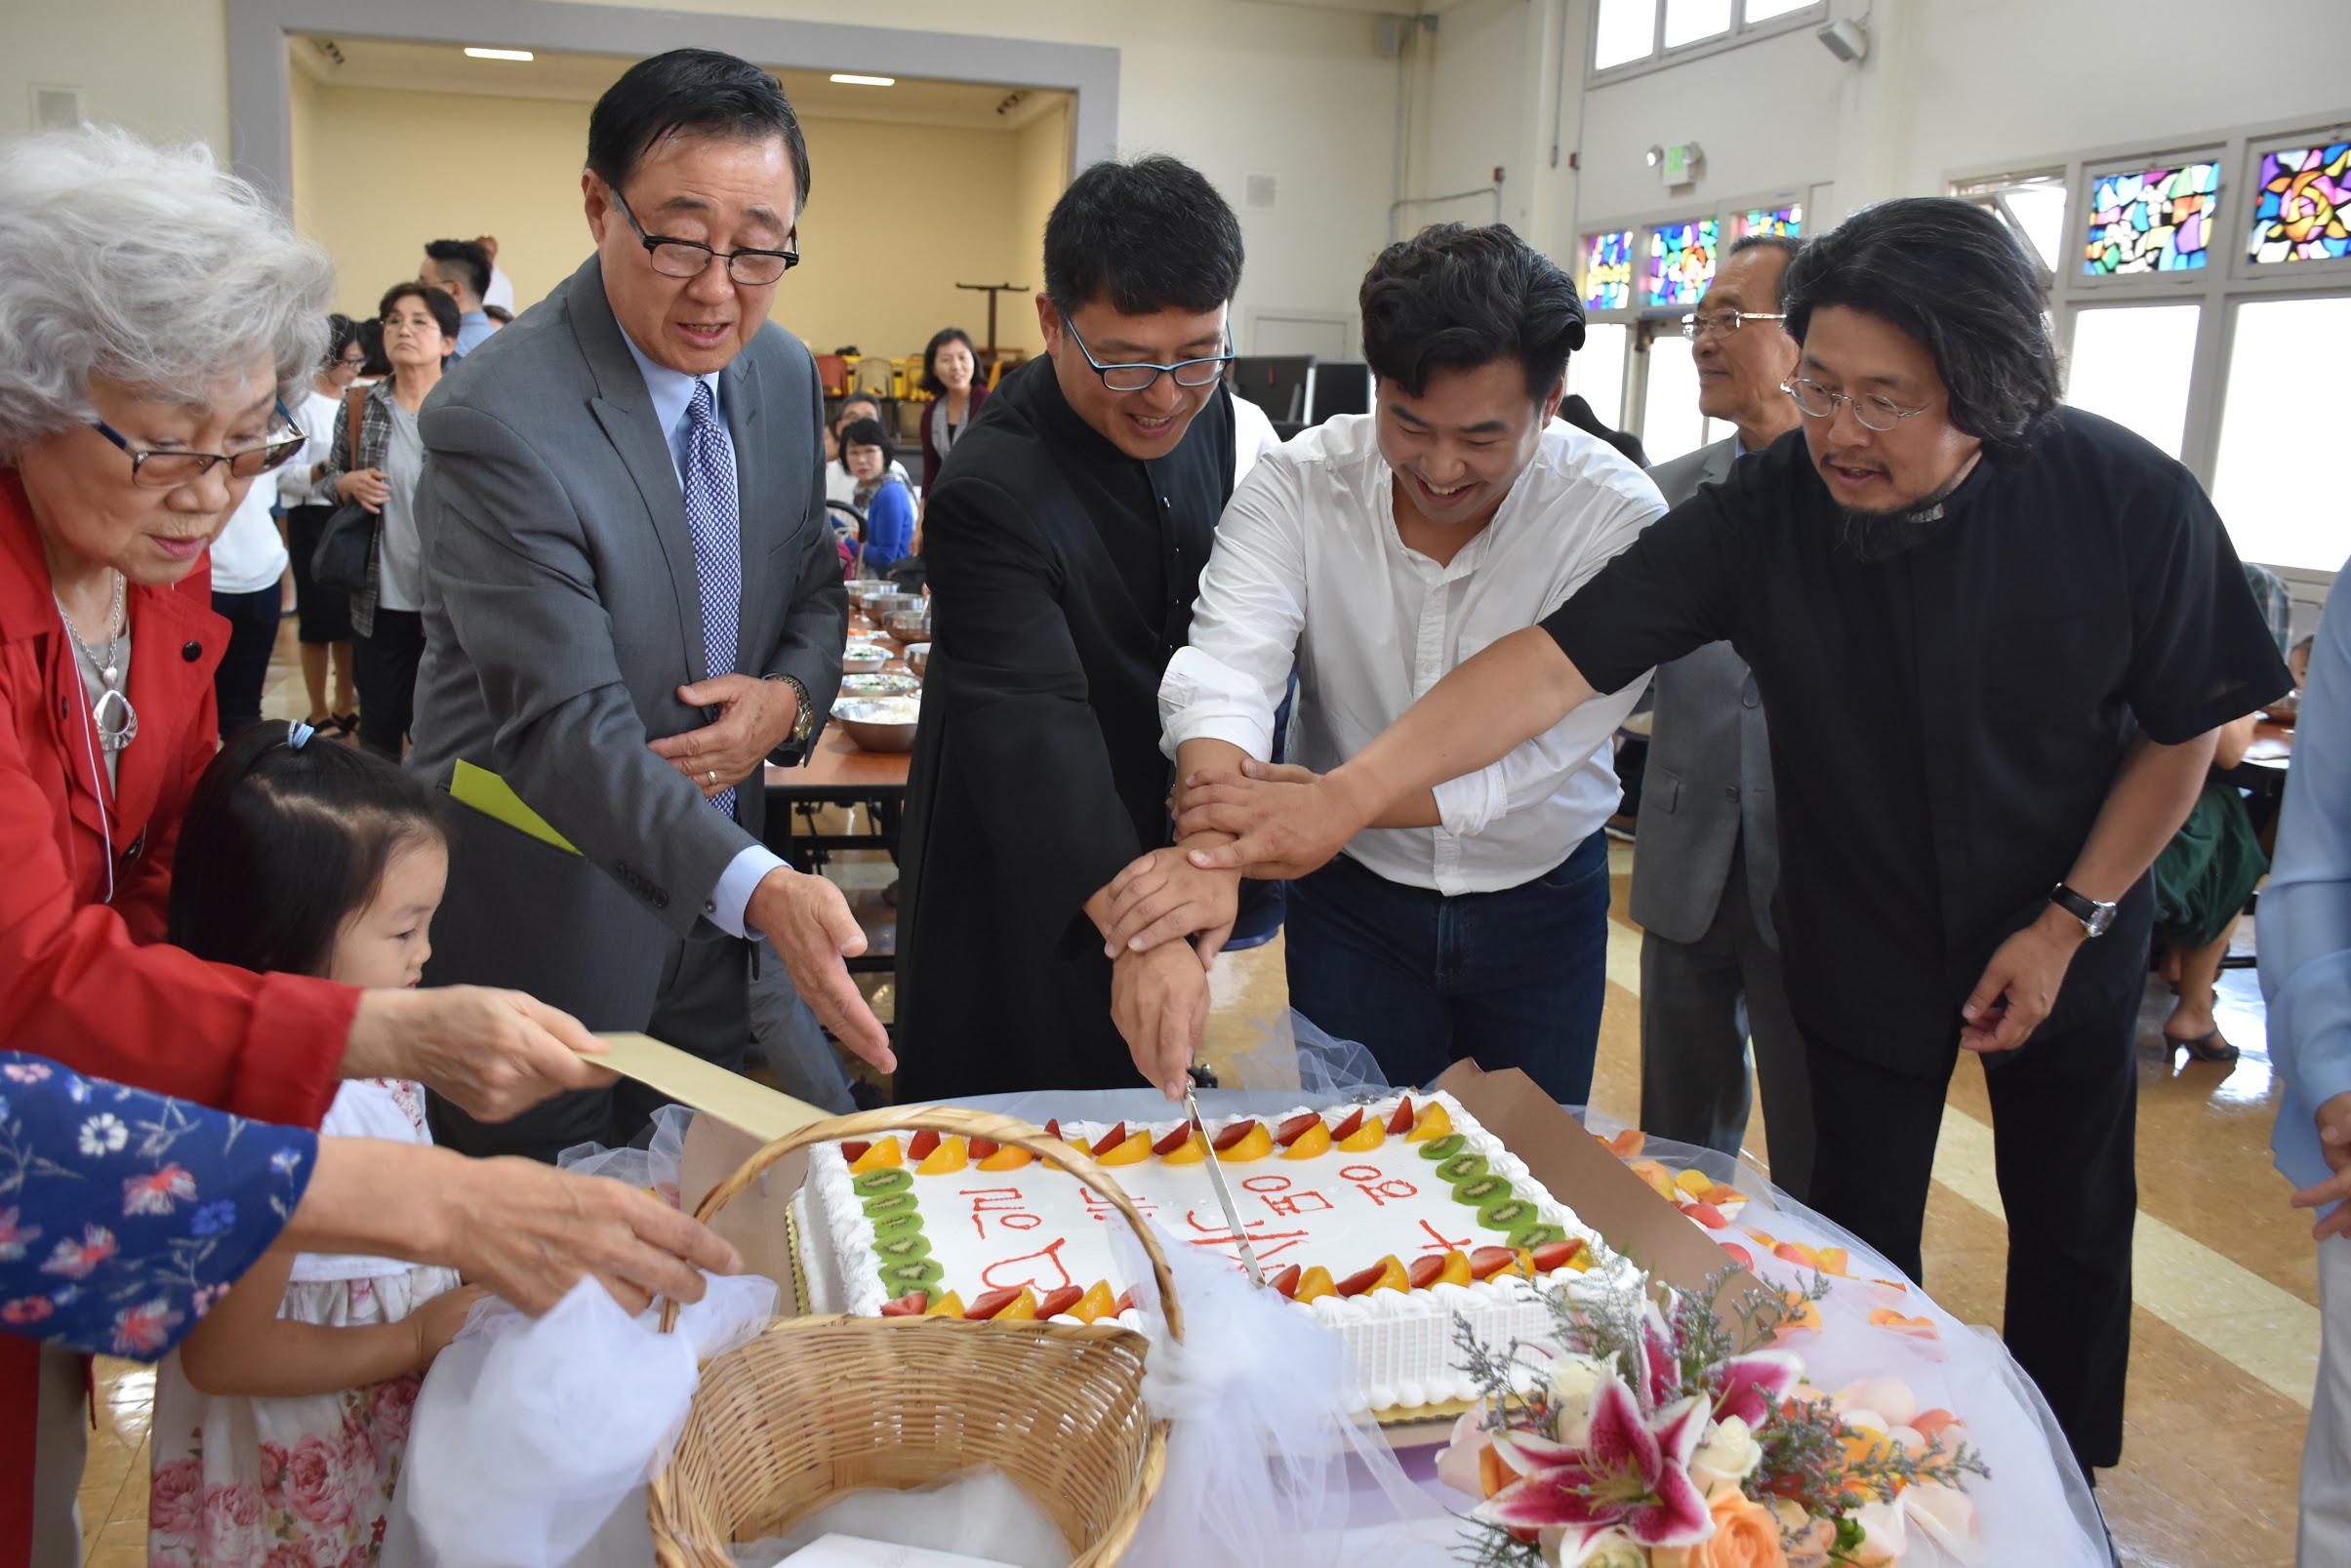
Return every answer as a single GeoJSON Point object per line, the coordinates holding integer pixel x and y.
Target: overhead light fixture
{"type": "Point", "coordinates": [523, 54]}
{"type": "Point", "coordinates": [1847, 40]}
{"type": "Point", "coordinates": [850, 79]}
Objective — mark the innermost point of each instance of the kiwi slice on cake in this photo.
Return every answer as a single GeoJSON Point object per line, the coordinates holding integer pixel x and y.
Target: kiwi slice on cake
{"type": "Point", "coordinates": [1479, 1190]}
{"type": "Point", "coordinates": [911, 1275]}
{"type": "Point", "coordinates": [1506, 1214]}
{"type": "Point", "coordinates": [1461, 1167]}
{"type": "Point", "coordinates": [1443, 1148]}
{"type": "Point", "coordinates": [875, 1184]}
{"type": "Point", "coordinates": [889, 1203]}
{"type": "Point", "coordinates": [1527, 1237]}
{"type": "Point", "coordinates": [907, 1246]}
{"type": "Point", "coordinates": [904, 1223]}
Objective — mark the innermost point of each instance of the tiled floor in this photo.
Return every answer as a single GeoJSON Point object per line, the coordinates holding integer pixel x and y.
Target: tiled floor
{"type": "Point", "coordinates": [2223, 1340]}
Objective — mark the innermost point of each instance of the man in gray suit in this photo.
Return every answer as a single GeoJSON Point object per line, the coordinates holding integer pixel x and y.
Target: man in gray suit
{"type": "Point", "coordinates": [635, 601]}
{"type": "Point", "coordinates": [1707, 853]}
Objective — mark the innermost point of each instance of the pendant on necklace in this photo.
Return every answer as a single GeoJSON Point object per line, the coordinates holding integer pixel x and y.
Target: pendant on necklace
{"type": "Point", "coordinates": [111, 675]}
{"type": "Point", "coordinates": [114, 719]}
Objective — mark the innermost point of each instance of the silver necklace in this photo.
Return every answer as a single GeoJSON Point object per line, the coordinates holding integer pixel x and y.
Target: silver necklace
{"type": "Point", "coordinates": [114, 717]}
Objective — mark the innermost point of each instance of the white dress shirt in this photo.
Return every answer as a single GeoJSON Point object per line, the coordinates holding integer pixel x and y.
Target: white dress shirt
{"type": "Point", "coordinates": [250, 555]}
{"type": "Point", "coordinates": [672, 394]}
{"type": "Point", "coordinates": [1308, 570]}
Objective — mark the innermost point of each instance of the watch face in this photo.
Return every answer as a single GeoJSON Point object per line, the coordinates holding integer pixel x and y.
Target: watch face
{"type": "Point", "coordinates": [2101, 916]}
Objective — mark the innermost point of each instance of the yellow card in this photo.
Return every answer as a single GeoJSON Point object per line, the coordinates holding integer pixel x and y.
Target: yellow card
{"type": "Point", "coordinates": [765, 1113]}
{"type": "Point", "coordinates": [490, 795]}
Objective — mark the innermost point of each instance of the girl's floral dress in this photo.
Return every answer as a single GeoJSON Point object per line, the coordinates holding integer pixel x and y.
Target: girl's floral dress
{"type": "Point", "coordinates": [301, 1482]}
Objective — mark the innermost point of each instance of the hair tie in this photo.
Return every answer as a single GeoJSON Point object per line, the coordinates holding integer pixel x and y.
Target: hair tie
{"type": "Point", "coordinates": [297, 734]}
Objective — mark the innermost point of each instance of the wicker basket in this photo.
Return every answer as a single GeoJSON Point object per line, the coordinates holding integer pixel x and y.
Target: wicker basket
{"type": "Point", "coordinates": [816, 1407]}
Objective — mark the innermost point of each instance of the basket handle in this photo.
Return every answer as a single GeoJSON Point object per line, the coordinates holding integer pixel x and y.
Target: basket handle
{"type": "Point", "coordinates": [967, 1124]}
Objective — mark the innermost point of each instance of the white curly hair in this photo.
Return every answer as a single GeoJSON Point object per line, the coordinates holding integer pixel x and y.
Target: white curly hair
{"type": "Point", "coordinates": [147, 266]}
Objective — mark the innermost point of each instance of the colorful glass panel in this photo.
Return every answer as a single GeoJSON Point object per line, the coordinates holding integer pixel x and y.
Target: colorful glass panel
{"type": "Point", "coordinates": [2159, 221]}
{"type": "Point", "coordinates": [1682, 261]}
{"type": "Point", "coordinates": [1772, 220]}
{"type": "Point", "coordinates": [2303, 212]}
{"type": "Point", "coordinates": [1608, 270]}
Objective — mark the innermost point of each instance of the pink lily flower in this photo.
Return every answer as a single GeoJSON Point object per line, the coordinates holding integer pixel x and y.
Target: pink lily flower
{"type": "Point", "coordinates": [1755, 1384]}
{"type": "Point", "coordinates": [1629, 1474]}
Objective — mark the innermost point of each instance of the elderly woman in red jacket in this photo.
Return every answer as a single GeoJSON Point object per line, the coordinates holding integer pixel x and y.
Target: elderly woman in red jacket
{"type": "Point", "coordinates": [156, 317]}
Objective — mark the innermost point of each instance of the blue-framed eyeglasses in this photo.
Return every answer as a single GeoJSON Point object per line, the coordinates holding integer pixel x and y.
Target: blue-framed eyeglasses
{"type": "Point", "coordinates": [168, 470]}
{"type": "Point", "coordinates": [1135, 377]}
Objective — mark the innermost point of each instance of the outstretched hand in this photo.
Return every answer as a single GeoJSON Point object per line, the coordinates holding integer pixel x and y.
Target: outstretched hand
{"type": "Point", "coordinates": [1281, 825]}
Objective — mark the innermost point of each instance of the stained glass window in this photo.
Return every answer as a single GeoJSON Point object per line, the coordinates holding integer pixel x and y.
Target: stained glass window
{"type": "Point", "coordinates": [2159, 221]}
{"type": "Point", "coordinates": [1788, 219]}
{"type": "Point", "coordinates": [1608, 270]}
{"type": "Point", "coordinates": [1682, 261]}
{"type": "Point", "coordinates": [2303, 212]}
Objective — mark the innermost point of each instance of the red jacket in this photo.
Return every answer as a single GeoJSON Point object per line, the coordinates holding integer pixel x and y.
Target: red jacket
{"type": "Point", "coordinates": [88, 981]}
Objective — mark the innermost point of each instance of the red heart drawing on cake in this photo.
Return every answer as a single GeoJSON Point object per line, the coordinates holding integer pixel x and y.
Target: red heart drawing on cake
{"type": "Point", "coordinates": [1045, 1271]}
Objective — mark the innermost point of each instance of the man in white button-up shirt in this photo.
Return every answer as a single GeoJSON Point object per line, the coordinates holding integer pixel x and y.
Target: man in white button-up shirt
{"type": "Point", "coordinates": [1372, 555]}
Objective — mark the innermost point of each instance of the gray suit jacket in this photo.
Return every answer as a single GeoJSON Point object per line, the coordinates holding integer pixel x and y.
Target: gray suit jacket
{"type": "Point", "coordinates": [561, 615]}
{"type": "Point", "coordinates": [1708, 783]}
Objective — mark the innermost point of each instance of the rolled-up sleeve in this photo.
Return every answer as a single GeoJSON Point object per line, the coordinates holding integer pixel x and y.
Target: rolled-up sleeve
{"type": "Point", "coordinates": [1227, 681]}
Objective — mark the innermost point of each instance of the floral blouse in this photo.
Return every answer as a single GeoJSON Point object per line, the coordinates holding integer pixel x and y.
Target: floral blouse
{"type": "Point", "coordinates": [125, 1215]}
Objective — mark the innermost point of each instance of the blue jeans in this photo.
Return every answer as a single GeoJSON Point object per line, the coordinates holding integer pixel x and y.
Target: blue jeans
{"type": "Point", "coordinates": [1514, 979]}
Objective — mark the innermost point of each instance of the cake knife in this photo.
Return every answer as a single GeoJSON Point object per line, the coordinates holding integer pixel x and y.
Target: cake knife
{"type": "Point", "coordinates": [1224, 1193]}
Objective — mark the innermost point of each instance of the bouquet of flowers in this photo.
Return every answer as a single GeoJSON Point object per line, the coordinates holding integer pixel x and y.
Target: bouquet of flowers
{"type": "Point", "coordinates": [1638, 1436]}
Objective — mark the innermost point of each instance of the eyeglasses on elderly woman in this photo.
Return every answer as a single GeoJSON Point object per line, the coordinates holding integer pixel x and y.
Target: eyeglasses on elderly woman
{"type": "Point", "coordinates": [151, 469]}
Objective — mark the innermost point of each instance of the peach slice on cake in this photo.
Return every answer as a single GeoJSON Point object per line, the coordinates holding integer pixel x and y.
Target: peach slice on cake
{"type": "Point", "coordinates": [1244, 1142]}
{"type": "Point", "coordinates": [1362, 1136]}
{"type": "Point", "coordinates": [1132, 1149]}
{"type": "Point", "coordinates": [876, 1156]}
{"type": "Point", "coordinates": [1386, 1274]}
{"type": "Point", "coordinates": [949, 1305]}
{"type": "Point", "coordinates": [950, 1156]}
{"type": "Point", "coordinates": [1314, 1283]}
{"type": "Point", "coordinates": [1433, 1122]}
{"type": "Point", "coordinates": [1096, 1303]}
{"type": "Point", "coordinates": [1193, 1151]}
{"type": "Point", "coordinates": [1007, 1158]}
{"type": "Point", "coordinates": [1312, 1143]}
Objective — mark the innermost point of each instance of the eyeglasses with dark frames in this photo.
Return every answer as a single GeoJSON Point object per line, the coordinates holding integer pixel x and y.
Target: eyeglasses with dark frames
{"type": "Point", "coordinates": [686, 259]}
{"type": "Point", "coordinates": [168, 470]}
{"type": "Point", "coordinates": [1135, 377]}
{"type": "Point", "coordinates": [1874, 410]}
{"type": "Point", "coordinates": [1722, 323]}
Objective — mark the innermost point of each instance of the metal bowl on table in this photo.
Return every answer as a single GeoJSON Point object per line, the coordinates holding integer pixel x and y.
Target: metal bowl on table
{"type": "Point", "coordinates": [867, 686]}
{"type": "Point", "coordinates": [865, 590]}
{"type": "Point", "coordinates": [881, 723]}
{"type": "Point", "coordinates": [918, 657]}
{"type": "Point", "coordinates": [864, 658]}
{"type": "Point", "coordinates": [908, 626]}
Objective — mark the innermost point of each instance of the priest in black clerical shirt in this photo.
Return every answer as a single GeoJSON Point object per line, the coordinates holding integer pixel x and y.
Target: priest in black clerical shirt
{"type": "Point", "coordinates": [1996, 639]}
{"type": "Point", "coordinates": [1064, 542]}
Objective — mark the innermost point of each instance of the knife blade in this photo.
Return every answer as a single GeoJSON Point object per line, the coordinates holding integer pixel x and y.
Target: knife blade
{"type": "Point", "coordinates": [1224, 1193]}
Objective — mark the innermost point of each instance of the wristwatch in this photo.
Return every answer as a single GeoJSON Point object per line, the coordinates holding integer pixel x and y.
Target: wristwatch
{"type": "Point", "coordinates": [804, 724]}
{"type": "Point", "coordinates": [2095, 917]}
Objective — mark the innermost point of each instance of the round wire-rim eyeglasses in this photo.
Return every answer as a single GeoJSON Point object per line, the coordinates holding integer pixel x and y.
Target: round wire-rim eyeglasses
{"type": "Point", "coordinates": [1817, 402]}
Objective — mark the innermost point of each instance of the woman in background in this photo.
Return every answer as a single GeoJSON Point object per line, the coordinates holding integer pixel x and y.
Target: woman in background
{"type": "Point", "coordinates": [420, 328]}
{"type": "Point", "coordinates": [949, 365]}
{"type": "Point", "coordinates": [880, 493]}
{"type": "Point", "coordinates": [322, 615]}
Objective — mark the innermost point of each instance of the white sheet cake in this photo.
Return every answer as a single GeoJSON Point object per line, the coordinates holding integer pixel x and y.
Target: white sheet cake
{"type": "Point", "coordinates": [1460, 1217]}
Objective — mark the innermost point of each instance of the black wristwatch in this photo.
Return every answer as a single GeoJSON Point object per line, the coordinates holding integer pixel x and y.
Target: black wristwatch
{"type": "Point", "coordinates": [2095, 917]}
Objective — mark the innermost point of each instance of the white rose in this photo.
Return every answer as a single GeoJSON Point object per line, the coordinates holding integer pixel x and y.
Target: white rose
{"type": "Point", "coordinates": [1573, 1376]}
{"type": "Point", "coordinates": [1611, 1549]}
{"type": "Point", "coordinates": [1728, 1454]}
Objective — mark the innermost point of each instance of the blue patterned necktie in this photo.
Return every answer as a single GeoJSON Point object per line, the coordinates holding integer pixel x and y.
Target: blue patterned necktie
{"type": "Point", "coordinates": [717, 523]}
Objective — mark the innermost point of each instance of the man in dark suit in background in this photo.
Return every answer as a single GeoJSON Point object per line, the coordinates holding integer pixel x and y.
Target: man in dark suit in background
{"type": "Point", "coordinates": [1064, 542]}
{"type": "Point", "coordinates": [635, 601]}
{"type": "Point", "coordinates": [1708, 857]}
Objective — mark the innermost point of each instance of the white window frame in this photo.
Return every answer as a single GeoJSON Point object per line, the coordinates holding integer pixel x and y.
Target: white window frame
{"type": "Point", "coordinates": [2229, 279]}
{"type": "Point", "coordinates": [1742, 31]}
{"type": "Point", "coordinates": [1647, 321]}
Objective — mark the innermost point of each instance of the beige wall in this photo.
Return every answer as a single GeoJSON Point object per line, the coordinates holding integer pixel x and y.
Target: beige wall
{"type": "Point", "coordinates": [898, 214]}
{"type": "Point", "coordinates": [158, 67]}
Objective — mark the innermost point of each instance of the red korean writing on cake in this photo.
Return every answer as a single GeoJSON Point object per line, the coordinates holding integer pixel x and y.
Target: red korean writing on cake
{"type": "Point", "coordinates": [999, 1206]}
{"type": "Point", "coordinates": [1378, 1186]}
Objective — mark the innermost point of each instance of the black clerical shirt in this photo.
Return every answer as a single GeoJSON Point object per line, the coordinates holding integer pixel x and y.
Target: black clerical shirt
{"type": "Point", "coordinates": [1061, 576]}
{"type": "Point", "coordinates": [1946, 721]}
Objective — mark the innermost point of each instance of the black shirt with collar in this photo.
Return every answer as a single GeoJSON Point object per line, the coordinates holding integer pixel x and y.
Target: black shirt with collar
{"type": "Point", "coordinates": [1061, 576]}
{"type": "Point", "coordinates": [1946, 721]}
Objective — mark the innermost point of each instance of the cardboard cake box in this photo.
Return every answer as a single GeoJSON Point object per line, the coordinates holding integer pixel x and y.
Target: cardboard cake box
{"type": "Point", "coordinates": [1574, 1165]}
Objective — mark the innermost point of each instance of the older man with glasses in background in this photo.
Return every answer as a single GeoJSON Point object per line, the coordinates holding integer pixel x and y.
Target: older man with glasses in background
{"type": "Point", "coordinates": [1708, 861]}
{"type": "Point", "coordinates": [1997, 639]}
{"type": "Point", "coordinates": [635, 602]}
